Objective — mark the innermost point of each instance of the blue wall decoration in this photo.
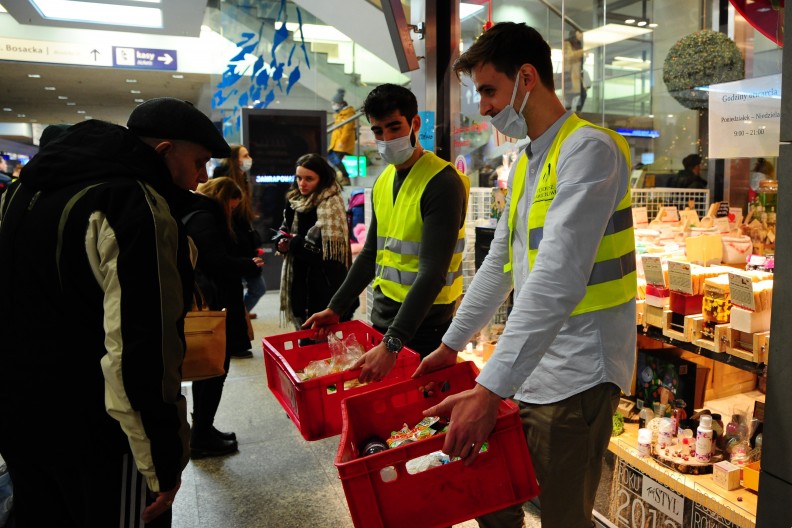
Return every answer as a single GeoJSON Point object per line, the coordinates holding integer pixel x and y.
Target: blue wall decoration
{"type": "Point", "coordinates": [266, 74]}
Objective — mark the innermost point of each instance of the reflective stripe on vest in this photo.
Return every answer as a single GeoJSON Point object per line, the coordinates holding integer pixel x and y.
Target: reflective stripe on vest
{"type": "Point", "coordinates": [400, 229]}
{"type": "Point", "coordinates": [613, 279]}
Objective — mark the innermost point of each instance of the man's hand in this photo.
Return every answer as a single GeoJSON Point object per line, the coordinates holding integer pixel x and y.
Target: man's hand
{"type": "Point", "coordinates": [376, 364]}
{"type": "Point", "coordinates": [473, 414]}
{"type": "Point", "coordinates": [442, 357]}
{"type": "Point", "coordinates": [320, 321]}
{"type": "Point", "coordinates": [161, 504]}
{"type": "Point", "coordinates": [283, 245]}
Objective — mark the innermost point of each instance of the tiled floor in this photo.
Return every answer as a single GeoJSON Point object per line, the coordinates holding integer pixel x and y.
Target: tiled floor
{"type": "Point", "coordinates": [277, 479]}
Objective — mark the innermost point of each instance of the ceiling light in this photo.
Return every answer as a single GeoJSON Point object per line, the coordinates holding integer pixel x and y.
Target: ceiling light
{"type": "Point", "coordinates": [610, 33]}
{"type": "Point", "coordinates": [32, 120]}
{"type": "Point", "coordinates": [80, 111]}
{"type": "Point", "coordinates": [62, 97]}
{"type": "Point", "coordinates": [134, 91]}
{"type": "Point", "coordinates": [177, 76]}
{"type": "Point", "coordinates": [87, 117]}
{"type": "Point", "coordinates": [99, 13]}
{"type": "Point", "coordinates": [630, 21]}
{"type": "Point", "coordinates": [139, 100]}
{"type": "Point", "coordinates": [50, 88]}
{"type": "Point", "coordinates": [71, 104]}
{"type": "Point", "coordinates": [20, 115]}
{"type": "Point", "coordinates": [131, 80]}
{"type": "Point", "coordinates": [642, 23]}
{"type": "Point", "coordinates": [651, 115]}
{"type": "Point", "coordinates": [6, 109]}
{"type": "Point", "coordinates": [652, 25]}
{"type": "Point", "coordinates": [34, 75]}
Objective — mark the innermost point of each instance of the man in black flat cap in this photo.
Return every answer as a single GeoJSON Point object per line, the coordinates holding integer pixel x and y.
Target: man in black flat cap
{"type": "Point", "coordinates": [92, 421]}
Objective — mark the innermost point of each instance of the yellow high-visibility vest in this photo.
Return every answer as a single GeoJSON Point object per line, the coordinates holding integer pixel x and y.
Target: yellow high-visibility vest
{"type": "Point", "coordinates": [399, 230]}
{"type": "Point", "coordinates": [613, 279]}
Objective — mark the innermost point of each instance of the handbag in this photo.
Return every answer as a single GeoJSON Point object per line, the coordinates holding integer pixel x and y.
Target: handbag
{"type": "Point", "coordinates": [205, 339]}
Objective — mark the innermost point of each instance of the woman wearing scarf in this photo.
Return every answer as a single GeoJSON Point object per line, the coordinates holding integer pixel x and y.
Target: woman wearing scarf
{"type": "Point", "coordinates": [314, 241]}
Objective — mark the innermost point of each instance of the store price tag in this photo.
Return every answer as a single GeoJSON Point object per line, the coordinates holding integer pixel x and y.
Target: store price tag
{"type": "Point", "coordinates": [679, 277]}
{"type": "Point", "coordinates": [741, 291]}
{"type": "Point", "coordinates": [722, 225]}
{"type": "Point", "coordinates": [668, 213]}
{"type": "Point", "coordinates": [640, 216]}
{"type": "Point", "coordinates": [653, 270]}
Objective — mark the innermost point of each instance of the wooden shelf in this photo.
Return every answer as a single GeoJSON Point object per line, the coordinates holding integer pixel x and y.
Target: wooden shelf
{"type": "Point", "coordinates": [736, 506]}
{"type": "Point", "coordinates": [729, 359]}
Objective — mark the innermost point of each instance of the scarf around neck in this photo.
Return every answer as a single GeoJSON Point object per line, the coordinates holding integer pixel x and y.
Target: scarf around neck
{"type": "Point", "coordinates": [332, 221]}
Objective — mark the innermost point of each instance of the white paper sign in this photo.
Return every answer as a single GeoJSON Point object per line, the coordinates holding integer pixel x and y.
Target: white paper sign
{"type": "Point", "coordinates": [640, 216]}
{"type": "Point", "coordinates": [741, 291]}
{"type": "Point", "coordinates": [679, 278]}
{"type": "Point", "coordinates": [745, 118]}
{"type": "Point", "coordinates": [653, 270]}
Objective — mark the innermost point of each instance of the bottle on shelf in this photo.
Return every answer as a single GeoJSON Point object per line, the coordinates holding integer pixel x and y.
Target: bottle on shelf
{"type": "Point", "coordinates": [678, 414]}
{"type": "Point", "coordinates": [704, 439]}
{"type": "Point", "coordinates": [645, 416]}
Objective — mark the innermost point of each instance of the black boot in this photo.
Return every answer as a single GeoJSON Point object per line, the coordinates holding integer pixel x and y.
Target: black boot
{"type": "Point", "coordinates": [224, 436]}
{"type": "Point", "coordinates": [204, 443]}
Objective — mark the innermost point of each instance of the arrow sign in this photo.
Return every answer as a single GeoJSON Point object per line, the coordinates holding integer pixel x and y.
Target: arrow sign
{"type": "Point", "coordinates": [144, 58]}
{"type": "Point", "coordinates": [95, 53]}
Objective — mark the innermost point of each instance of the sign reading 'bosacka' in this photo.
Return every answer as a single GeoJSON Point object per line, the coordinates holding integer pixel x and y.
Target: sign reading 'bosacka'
{"type": "Point", "coordinates": [745, 118]}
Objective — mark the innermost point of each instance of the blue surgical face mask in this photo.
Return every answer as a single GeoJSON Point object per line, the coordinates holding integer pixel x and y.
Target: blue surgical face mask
{"type": "Point", "coordinates": [509, 121]}
{"type": "Point", "coordinates": [396, 151]}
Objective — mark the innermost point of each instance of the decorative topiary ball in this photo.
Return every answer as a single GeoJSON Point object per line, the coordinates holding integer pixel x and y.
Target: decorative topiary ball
{"type": "Point", "coordinates": [700, 60]}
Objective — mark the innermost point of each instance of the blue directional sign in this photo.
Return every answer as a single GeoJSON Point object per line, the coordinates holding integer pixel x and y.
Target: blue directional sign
{"type": "Point", "coordinates": [144, 58]}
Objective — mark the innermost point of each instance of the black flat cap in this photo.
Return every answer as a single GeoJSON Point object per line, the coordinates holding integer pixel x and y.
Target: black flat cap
{"type": "Point", "coordinates": [171, 118]}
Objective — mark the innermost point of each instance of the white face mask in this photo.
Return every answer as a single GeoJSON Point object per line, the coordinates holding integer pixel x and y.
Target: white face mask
{"type": "Point", "coordinates": [509, 121]}
{"type": "Point", "coordinates": [246, 164]}
{"type": "Point", "coordinates": [396, 151]}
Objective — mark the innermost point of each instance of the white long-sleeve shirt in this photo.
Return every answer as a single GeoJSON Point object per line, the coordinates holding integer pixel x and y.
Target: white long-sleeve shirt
{"type": "Point", "coordinates": [544, 355]}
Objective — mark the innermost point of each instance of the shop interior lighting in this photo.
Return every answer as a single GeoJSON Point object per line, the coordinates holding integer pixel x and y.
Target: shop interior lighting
{"type": "Point", "coordinates": [6, 109]}
{"type": "Point", "coordinates": [468, 10]}
{"type": "Point", "coordinates": [610, 33]}
{"type": "Point", "coordinates": [71, 103]}
{"type": "Point", "coordinates": [80, 111]}
{"type": "Point", "coordinates": [62, 97]}
{"type": "Point", "coordinates": [177, 76]}
{"type": "Point", "coordinates": [131, 80]}
{"type": "Point", "coordinates": [34, 75]}
{"type": "Point", "coordinates": [101, 13]}
{"type": "Point", "coordinates": [49, 88]}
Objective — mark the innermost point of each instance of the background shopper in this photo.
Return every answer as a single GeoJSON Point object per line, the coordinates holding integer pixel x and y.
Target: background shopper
{"type": "Point", "coordinates": [208, 218]}
{"type": "Point", "coordinates": [317, 254]}
{"type": "Point", "coordinates": [565, 245]}
{"type": "Point", "coordinates": [247, 239]}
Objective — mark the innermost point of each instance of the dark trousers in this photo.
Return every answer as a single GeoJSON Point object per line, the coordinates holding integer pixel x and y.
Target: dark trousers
{"type": "Point", "coordinates": [78, 490]}
{"type": "Point", "coordinates": [206, 397]}
{"type": "Point", "coordinates": [426, 339]}
{"type": "Point", "coordinates": [567, 441]}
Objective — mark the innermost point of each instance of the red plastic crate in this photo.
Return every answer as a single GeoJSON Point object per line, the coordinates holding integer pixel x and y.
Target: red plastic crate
{"type": "Point", "coordinates": [314, 405]}
{"type": "Point", "coordinates": [441, 496]}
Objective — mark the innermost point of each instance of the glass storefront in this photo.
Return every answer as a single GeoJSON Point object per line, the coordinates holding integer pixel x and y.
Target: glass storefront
{"type": "Point", "coordinates": [609, 66]}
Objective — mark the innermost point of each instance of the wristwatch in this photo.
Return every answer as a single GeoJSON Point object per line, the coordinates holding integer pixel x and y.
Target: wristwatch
{"type": "Point", "coordinates": [392, 344]}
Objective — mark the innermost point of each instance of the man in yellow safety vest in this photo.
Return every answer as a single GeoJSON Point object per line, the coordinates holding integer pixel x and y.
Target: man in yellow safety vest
{"type": "Point", "coordinates": [415, 241]}
{"type": "Point", "coordinates": [565, 246]}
